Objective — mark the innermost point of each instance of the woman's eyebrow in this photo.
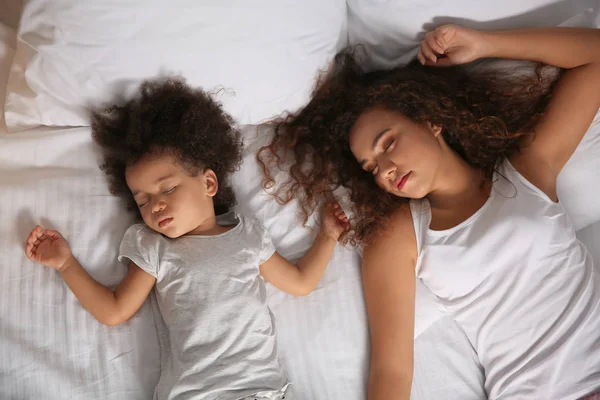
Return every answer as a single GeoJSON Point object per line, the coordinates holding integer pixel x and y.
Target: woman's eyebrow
{"type": "Point", "coordinates": [375, 143]}
{"type": "Point", "coordinates": [378, 138]}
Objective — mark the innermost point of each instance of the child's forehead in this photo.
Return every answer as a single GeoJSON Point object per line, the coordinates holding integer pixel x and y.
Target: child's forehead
{"type": "Point", "coordinates": [154, 165]}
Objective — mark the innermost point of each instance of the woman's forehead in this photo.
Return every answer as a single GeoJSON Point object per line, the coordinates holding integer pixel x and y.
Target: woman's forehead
{"type": "Point", "coordinates": [370, 123]}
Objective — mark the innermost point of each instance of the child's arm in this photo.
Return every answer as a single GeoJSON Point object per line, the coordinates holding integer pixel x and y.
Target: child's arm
{"type": "Point", "coordinates": [302, 278]}
{"type": "Point", "coordinates": [108, 307]}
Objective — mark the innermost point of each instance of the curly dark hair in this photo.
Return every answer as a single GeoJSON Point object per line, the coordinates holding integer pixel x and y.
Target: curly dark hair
{"type": "Point", "coordinates": [486, 115]}
{"type": "Point", "coordinates": [170, 117]}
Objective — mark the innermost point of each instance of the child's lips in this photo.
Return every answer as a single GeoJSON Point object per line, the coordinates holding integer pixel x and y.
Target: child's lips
{"type": "Point", "coordinates": [164, 221]}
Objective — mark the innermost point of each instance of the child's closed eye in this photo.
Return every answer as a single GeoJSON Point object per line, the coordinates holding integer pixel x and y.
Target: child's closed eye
{"type": "Point", "coordinates": [171, 190]}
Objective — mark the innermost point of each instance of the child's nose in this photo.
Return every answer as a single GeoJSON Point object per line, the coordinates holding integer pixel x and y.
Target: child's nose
{"type": "Point", "coordinates": [158, 206]}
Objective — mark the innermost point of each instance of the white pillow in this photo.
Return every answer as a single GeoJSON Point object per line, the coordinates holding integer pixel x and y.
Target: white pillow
{"type": "Point", "coordinates": [7, 52]}
{"type": "Point", "coordinates": [390, 30]}
{"type": "Point", "coordinates": [261, 57]}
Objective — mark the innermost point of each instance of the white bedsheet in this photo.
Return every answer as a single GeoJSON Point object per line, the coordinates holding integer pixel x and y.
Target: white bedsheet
{"type": "Point", "coordinates": [51, 348]}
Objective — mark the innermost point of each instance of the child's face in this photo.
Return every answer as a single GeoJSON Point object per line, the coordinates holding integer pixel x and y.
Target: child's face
{"type": "Point", "coordinates": [171, 201]}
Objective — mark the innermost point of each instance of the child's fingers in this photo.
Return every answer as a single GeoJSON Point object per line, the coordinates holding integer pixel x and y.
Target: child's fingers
{"type": "Point", "coordinates": [33, 241]}
{"type": "Point", "coordinates": [53, 234]}
{"type": "Point", "coordinates": [31, 238]}
{"type": "Point", "coordinates": [35, 233]}
{"type": "Point", "coordinates": [30, 251]}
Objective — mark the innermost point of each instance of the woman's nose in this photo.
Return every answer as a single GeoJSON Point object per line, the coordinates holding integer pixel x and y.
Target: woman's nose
{"type": "Point", "coordinates": [388, 168]}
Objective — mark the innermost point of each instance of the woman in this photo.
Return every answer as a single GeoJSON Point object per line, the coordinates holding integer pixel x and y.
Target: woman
{"type": "Point", "coordinates": [453, 178]}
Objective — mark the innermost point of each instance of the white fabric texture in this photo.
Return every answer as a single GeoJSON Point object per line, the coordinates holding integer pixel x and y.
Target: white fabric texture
{"type": "Point", "coordinates": [51, 348]}
{"type": "Point", "coordinates": [523, 288]}
{"type": "Point", "coordinates": [259, 58]}
{"type": "Point", "coordinates": [8, 37]}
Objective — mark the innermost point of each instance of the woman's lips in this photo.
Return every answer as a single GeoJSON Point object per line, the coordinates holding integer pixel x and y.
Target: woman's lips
{"type": "Point", "coordinates": [401, 180]}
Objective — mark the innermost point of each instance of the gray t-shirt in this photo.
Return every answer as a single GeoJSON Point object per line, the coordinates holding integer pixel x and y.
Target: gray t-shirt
{"type": "Point", "coordinates": [218, 336]}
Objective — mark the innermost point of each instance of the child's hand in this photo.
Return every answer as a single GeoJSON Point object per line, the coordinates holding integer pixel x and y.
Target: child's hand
{"type": "Point", "coordinates": [333, 220]}
{"type": "Point", "coordinates": [48, 247]}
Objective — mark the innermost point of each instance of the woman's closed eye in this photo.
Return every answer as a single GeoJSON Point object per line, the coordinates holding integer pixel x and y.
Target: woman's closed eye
{"type": "Point", "coordinates": [389, 145]}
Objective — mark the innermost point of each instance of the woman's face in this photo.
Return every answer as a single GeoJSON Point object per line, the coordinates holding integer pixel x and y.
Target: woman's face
{"type": "Point", "coordinates": [403, 156]}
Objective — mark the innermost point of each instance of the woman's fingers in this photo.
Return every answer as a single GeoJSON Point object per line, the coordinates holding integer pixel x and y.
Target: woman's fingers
{"type": "Point", "coordinates": [432, 40]}
{"type": "Point", "coordinates": [427, 52]}
{"type": "Point", "coordinates": [421, 57]}
{"type": "Point", "coordinates": [443, 62]}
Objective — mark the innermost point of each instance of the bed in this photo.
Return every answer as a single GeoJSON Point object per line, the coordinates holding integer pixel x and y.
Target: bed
{"type": "Point", "coordinates": [50, 72]}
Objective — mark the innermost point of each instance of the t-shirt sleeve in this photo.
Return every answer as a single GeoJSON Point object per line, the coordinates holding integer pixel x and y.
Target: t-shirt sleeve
{"type": "Point", "coordinates": [140, 245]}
{"type": "Point", "coordinates": [267, 248]}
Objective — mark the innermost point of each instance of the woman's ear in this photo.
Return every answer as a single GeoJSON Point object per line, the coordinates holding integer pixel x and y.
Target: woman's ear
{"type": "Point", "coordinates": [211, 182]}
{"type": "Point", "coordinates": [435, 130]}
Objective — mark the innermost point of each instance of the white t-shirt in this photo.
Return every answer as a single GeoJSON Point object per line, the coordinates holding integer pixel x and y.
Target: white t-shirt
{"type": "Point", "coordinates": [522, 287]}
{"type": "Point", "coordinates": [218, 335]}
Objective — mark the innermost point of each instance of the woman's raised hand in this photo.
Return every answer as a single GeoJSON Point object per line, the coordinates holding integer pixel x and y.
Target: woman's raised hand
{"type": "Point", "coordinates": [450, 45]}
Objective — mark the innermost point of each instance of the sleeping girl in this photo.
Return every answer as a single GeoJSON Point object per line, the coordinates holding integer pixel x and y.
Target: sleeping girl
{"type": "Point", "coordinates": [169, 154]}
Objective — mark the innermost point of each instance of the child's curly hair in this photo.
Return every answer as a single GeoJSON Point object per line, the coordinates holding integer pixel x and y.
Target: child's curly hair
{"type": "Point", "coordinates": [485, 115]}
{"type": "Point", "coordinates": [169, 117]}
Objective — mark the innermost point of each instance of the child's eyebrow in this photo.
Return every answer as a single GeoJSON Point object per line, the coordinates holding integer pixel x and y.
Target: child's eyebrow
{"type": "Point", "coordinates": [164, 178]}
{"type": "Point", "coordinates": [159, 180]}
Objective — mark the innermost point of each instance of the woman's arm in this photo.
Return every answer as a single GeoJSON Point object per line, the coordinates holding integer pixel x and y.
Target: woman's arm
{"type": "Point", "coordinates": [574, 102]}
{"type": "Point", "coordinates": [388, 273]}
{"type": "Point", "coordinates": [562, 47]}
{"type": "Point", "coordinates": [573, 105]}
{"type": "Point", "coordinates": [302, 278]}
{"type": "Point", "coordinates": [48, 247]}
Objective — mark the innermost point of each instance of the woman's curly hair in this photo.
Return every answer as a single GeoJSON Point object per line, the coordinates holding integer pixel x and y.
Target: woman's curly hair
{"type": "Point", "coordinates": [169, 117]}
{"type": "Point", "coordinates": [485, 115]}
